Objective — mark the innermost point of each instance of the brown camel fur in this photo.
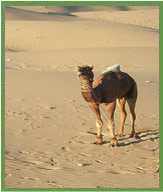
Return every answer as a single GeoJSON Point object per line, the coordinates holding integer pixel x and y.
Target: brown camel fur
{"type": "Point", "coordinates": [108, 88]}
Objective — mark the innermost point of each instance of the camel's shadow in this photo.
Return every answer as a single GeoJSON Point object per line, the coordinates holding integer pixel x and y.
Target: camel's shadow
{"type": "Point", "coordinates": [142, 137]}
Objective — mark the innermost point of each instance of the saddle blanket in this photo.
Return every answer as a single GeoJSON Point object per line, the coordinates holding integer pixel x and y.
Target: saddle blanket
{"type": "Point", "coordinates": [114, 68]}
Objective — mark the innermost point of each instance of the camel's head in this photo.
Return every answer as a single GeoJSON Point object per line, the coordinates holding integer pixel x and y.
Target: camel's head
{"type": "Point", "coordinates": [85, 72]}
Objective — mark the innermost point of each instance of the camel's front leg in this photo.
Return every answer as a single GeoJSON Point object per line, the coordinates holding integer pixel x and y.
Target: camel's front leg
{"type": "Point", "coordinates": [111, 125]}
{"type": "Point", "coordinates": [99, 123]}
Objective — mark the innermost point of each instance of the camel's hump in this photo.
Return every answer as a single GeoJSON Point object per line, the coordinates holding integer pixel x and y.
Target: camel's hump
{"type": "Point", "coordinates": [114, 68]}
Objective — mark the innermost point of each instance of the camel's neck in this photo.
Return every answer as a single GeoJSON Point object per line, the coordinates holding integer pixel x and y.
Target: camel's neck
{"type": "Point", "coordinates": [86, 90]}
{"type": "Point", "coordinates": [86, 85]}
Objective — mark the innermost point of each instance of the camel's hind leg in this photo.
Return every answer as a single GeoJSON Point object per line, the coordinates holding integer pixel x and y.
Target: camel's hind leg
{"type": "Point", "coordinates": [121, 104]}
{"type": "Point", "coordinates": [111, 125]}
{"type": "Point", "coordinates": [131, 103]}
{"type": "Point", "coordinates": [99, 123]}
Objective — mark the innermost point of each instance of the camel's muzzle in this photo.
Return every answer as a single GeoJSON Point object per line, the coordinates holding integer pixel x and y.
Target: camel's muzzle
{"type": "Point", "coordinates": [79, 73]}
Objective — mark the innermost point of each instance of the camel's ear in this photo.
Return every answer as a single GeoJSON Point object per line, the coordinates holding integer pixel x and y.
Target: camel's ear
{"type": "Point", "coordinates": [91, 67]}
{"type": "Point", "coordinates": [77, 68]}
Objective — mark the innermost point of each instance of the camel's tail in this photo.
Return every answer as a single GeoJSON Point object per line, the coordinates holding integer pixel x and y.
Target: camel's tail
{"type": "Point", "coordinates": [133, 92]}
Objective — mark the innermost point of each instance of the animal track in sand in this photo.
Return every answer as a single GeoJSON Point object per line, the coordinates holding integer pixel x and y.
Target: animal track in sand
{"type": "Point", "coordinates": [25, 115]}
{"type": "Point", "coordinates": [99, 161]}
{"type": "Point", "coordinates": [84, 154]}
{"type": "Point", "coordinates": [42, 164]}
{"type": "Point", "coordinates": [76, 137]}
{"type": "Point", "coordinates": [7, 152]}
{"type": "Point", "coordinates": [8, 174]}
{"type": "Point", "coordinates": [83, 164]}
{"type": "Point", "coordinates": [49, 167]}
{"type": "Point", "coordinates": [44, 139]}
{"type": "Point", "coordinates": [22, 114]}
{"type": "Point", "coordinates": [142, 169]}
{"type": "Point", "coordinates": [23, 65]}
{"type": "Point", "coordinates": [123, 169]}
{"type": "Point", "coordinates": [71, 142]}
{"type": "Point", "coordinates": [54, 184]}
{"type": "Point", "coordinates": [30, 178]}
{"type": "Point", "coordinates": [24, 152]}
{"type": "Point", "coordinates": [23, 130]}
{"type": "Point", "coordinates": [44, 117]}
{"type": "Point", "coordinates": [31, 126]}
{"type": "Point", "coordinates": [9, 158]}
{"type": "Point", "coordinates": [65, 148]}
{"type": "Point", "coordinates": [82, 124]}
{"type": "Point", "coordinates": [85, 133]}
{"type": "Point", "coordinates": [35, 162]}
{"type": "Point", "coordinates": [99, 187]}
{"type": "Point", "coordinates": [71, 101]}
{"type": "Point", "coordinates": [52, 108]}
{"type": "Point", "coordinates": [125, 172]}
{"type": "Point", "coordinates": [113, 172]}
{"type": "Point", "coordinates": [81, 142]}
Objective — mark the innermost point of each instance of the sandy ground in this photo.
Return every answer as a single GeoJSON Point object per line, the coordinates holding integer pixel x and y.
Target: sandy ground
{"type": "Point", "coordinates": [49, 128]}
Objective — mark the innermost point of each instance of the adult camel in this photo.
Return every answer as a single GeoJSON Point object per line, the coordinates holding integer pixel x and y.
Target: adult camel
{"type": "Point", "coordinates": [110, 86]}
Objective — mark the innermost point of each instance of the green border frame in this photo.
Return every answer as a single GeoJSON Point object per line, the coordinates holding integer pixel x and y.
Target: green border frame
{"type": "Point", "coordinates": [75, 3]}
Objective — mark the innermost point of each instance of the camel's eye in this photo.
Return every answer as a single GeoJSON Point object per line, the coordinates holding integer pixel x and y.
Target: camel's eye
{"type": "Point", "coordinates": [81, 70]}
{"type": "Point", "coordinates": [88, 69]}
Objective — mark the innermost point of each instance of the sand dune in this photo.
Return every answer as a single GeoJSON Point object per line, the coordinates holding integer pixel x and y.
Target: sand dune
{"type": "Point", "coordinates": [49, 128]}
{"type": "Point", "coordinates": [143, 18]}
{"type": "Point", "coordinates": [113, 42]}
{"type": "Point", "coordinates": [71, 9]}
{"type": "Point", "coordinates": [13, 14]}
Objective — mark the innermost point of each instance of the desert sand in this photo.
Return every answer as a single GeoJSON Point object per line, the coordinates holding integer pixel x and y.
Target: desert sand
{"type": "Point", "coordinates": [49, 128]}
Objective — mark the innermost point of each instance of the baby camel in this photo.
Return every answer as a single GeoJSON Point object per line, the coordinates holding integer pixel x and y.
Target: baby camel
{"type": "Point", "coordinates": [109, 87]}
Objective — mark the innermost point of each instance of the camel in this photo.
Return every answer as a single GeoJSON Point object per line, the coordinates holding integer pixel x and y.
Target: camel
{"type": "Point", "coordinates": [109, 88]}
